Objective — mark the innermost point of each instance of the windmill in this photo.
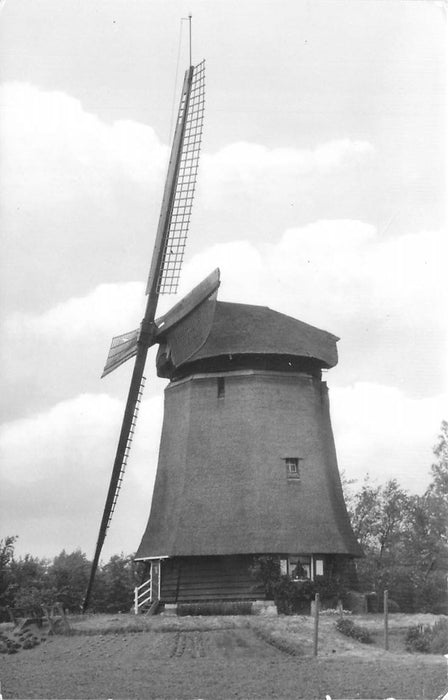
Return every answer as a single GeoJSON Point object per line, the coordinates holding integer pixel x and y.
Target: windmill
{"type": "Point", "coordinates": [163, 278]}
{"type": "Point", "coordinates": [247, 463]}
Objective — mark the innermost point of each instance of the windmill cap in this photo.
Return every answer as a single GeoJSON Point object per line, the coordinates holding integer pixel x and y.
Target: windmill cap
{"type": "Point", "coordinates": [245, 329]}
{"type": "Point", "coordinates": [249, 329]}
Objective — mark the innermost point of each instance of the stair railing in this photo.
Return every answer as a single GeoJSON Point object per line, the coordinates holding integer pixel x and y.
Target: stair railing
{"type": "Point", "coordinates": [142, 595]}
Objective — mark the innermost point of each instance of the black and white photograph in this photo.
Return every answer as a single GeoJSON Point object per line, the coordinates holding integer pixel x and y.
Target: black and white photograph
{"type": "Point", "coordinates": [223, 334]}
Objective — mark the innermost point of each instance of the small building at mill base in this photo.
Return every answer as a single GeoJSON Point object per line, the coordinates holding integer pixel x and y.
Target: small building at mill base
{"type": "Point", "coordinates": [247, 464]}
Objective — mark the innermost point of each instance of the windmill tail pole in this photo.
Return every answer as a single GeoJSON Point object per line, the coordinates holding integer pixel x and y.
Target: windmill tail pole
{"type": "Point", "coordinates": [127, 430]}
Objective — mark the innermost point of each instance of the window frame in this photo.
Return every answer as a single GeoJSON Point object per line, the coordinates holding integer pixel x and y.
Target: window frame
{"type": "Point", "coordinates": [309, 563]}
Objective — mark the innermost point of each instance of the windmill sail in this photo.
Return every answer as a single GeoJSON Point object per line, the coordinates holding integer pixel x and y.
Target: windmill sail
{"type": "Point", "coordinates": [163, 277]}
{"type": "Point", "coordinates": [122, 348]}
{"type": "Point", "coordinates": [180, 186]}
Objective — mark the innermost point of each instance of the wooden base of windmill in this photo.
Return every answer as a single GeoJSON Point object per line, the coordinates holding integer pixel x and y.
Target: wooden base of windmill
{"type": "Point", "coordinates": [215, 585]}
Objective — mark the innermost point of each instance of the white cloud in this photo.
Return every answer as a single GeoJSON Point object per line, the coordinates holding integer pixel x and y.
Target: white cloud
{"type": "Point", "coordinates": [56, 467]}
{"type": "Point", "coordinates": [107, 308]}
{"type": "Point", "coordinates": [327, 269]}
{"type": "Point", "coordinates": [59, 436]}
{"type": "Point", "coordinates": [77, 193]}
{"type": "Point", "coordinates": [54, 151]}
{"type": "Point", "coordinates": [246, 169]}
{"type": "Point", "coordinates": [382, 296]}
{"type": "Point", "coordinates": [333, 270]}
{"type": "Point", "coordinates": [382, 432]}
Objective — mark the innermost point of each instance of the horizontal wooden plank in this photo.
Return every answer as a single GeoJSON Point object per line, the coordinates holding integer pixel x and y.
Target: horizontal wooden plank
{"type": "Point", "coordinates": [213, 579]}
{"type": "Point", "coordinates": [214, 592]}
{"type": "Point", "coordinates": [211, 594]}
{"type": "Point", "coordinates": [205, 599]}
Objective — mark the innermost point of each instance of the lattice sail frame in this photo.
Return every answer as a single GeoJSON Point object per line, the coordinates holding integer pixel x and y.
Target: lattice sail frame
{"type": "Point", "coordinates": [180, 214]}
{"type": "Point", "coordinates": [122, 348]}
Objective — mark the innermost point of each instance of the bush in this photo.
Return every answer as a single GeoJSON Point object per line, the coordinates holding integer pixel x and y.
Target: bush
{"type": "Point", "coordinates": [428, 640]}
{"type": "Point", "coordinates": [418, 638]}
{"type": "Point", "coordinates": [439, 637]}
{"type": "Point", "coordinates": [348, 627]}
{"type": "Point", "coordinates": [291, 596]}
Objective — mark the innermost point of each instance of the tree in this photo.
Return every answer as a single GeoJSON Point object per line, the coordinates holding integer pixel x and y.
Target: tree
{"type": "Point", "coordinates": [424, 551]}
{"type": "Point", "coordinates": [428, 538]}
{"type": "Point", "coordinates": [405, 537]}
{"type": "Point", "coordinates": [6, 579]}
{"type": "Point", "coordinates": [378, 516]}
{"type": "Point", "coordinates": [439, 469]}
{"type": "Point", "coordinates": [69, 574]}
{"type": "Point", "coordinates": [31, 585]}
{"type": "Point", "coordinates": [118, 584]}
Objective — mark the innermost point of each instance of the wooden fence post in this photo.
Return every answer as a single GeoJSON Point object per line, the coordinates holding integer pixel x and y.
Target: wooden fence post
{"type": "Point", "coordinates": [386, 619]}
{"type": "Point", "coordinates": [316, 623]}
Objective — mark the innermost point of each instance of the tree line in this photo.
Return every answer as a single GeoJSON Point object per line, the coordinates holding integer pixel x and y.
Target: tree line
{"type": "Point", "coordinates": [29, 582]}
{"type": "Point", "coordinates": [404, 538]}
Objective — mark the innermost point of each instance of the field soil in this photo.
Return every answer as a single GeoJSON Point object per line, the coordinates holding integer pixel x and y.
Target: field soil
{"type": "Point", "coordinates": [220, 657]}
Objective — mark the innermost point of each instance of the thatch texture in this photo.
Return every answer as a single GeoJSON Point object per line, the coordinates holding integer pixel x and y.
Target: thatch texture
{"type": "Point", "coordinates": [243, 330]}
{"type": "Point", "coordinates": [221, 485]}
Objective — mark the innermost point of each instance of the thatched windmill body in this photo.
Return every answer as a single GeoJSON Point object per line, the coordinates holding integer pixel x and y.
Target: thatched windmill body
{"type": "Point", "coordinates": [247, 462]}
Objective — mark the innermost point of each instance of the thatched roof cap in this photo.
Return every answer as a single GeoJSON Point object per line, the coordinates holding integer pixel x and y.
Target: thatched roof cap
{"type": "Point", "coordinates": [245, 329]}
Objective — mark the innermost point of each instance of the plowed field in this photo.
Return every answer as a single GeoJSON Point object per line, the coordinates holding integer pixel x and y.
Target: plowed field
{"type": "Point", "coordinates": [239, 660]}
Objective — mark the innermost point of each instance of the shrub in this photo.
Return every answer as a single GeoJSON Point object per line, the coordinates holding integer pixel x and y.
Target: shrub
{"type": "Point", "coordinates": [291, 596]}
{"type": "Point", "coordinates": [428, 640]}
{"type": "Point", "coordinates": [439, 637]}
{"type": "Point", "coordinates": [418, 638]}
{"type": "Point", "coordinates": [348, 627]}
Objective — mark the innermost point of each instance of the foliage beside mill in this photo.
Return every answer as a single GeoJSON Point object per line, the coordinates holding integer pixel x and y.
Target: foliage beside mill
{"type": "Point", "coordinates": [28, 582]}
{"type": "Point", "coordinates": [405, 537]}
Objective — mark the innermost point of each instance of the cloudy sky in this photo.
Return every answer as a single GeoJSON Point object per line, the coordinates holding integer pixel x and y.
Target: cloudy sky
{"type": "Point", "coordinates": [321, 194]}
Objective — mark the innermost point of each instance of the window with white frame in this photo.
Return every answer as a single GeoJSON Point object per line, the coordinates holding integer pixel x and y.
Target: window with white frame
{"type": "Point", "coordinates": [299, 568]}
{"type": "Point", "coordinates": [302, 567]}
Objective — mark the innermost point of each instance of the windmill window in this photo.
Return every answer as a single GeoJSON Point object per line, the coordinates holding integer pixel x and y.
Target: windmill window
{"type": "Point", "coordinates": [221, 388]}
{"type": "Point", "coordinates": [292, 468]}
